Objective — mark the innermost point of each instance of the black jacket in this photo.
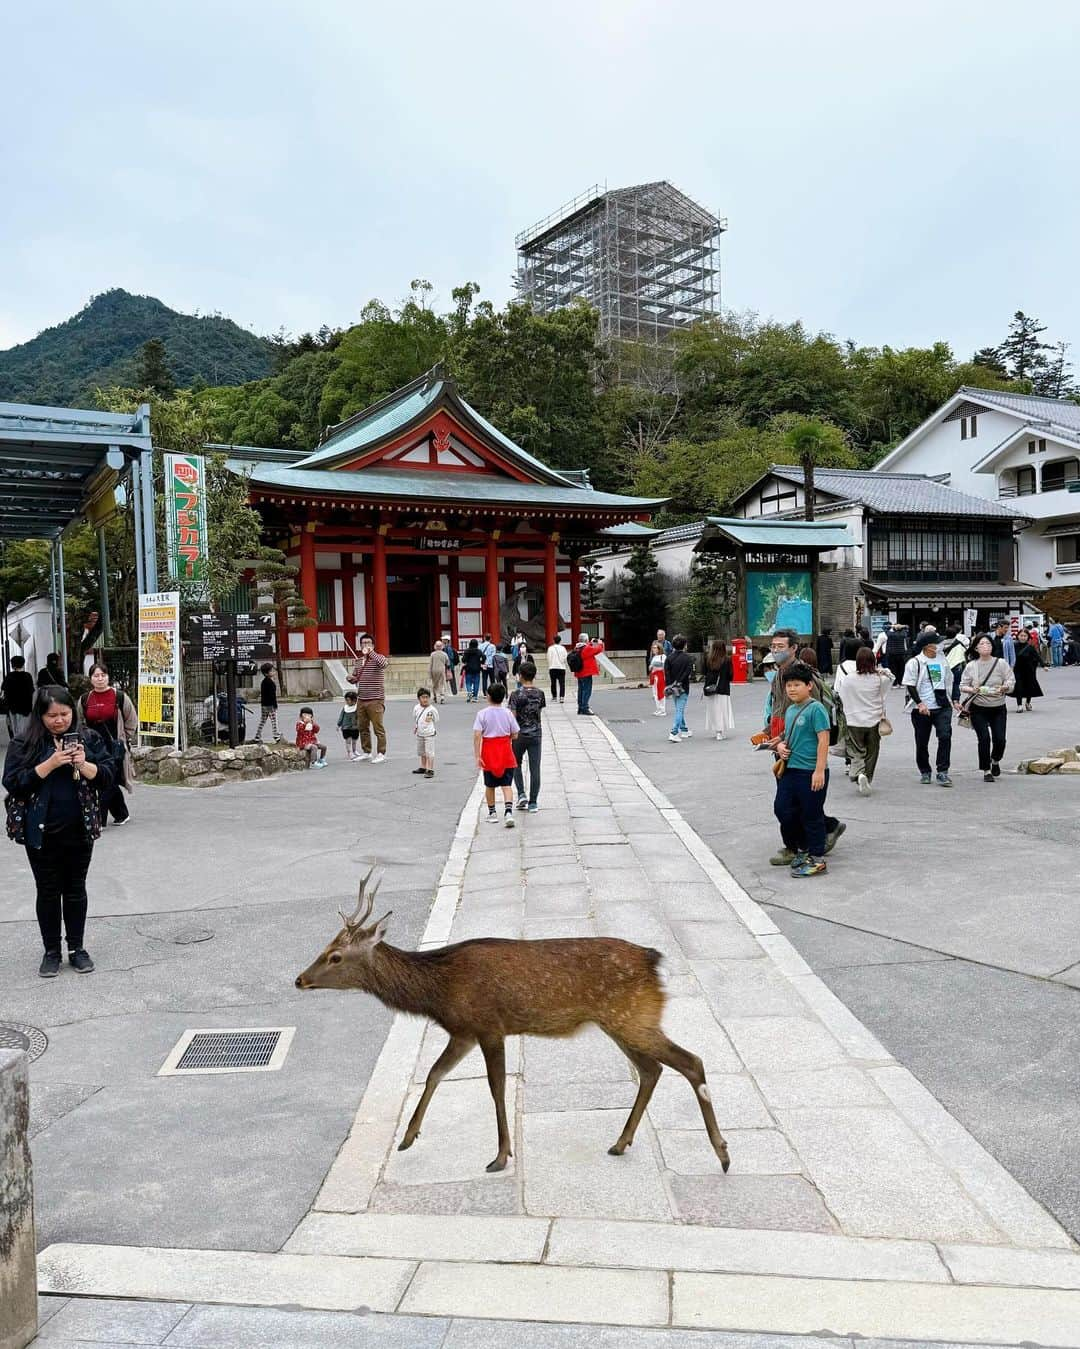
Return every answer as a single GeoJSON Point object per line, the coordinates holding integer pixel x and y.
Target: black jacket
{"type": "Point", "coordinates": [22, 782]}
{"type": "Point", "coordinates": [679, 669]}
{"type": "Point", "coordinates": [472, 660]}
{"type": "Point", "coordinates": [18, 691]}
{"type": "Point", "coordinates": [51, 676]}
{"type": "Point", "coordinates": [720, 678]}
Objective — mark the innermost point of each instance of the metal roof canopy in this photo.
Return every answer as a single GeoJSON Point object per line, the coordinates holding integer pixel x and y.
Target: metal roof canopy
{"type": "Point", "coordinates": [53, 461]}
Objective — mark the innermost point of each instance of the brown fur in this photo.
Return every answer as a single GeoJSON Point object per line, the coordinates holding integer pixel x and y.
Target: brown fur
{"type": "Point", "coordinates": [480, 991]}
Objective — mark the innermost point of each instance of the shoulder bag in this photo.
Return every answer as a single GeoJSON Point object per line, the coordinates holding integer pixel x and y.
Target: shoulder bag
{"type": "Point", "coordinates": [780, 765]}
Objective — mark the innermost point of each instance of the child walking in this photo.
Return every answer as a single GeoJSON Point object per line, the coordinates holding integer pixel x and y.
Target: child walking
{"type": "Point", "coordinates": [348, 725]}
{"type": "Point", "coordinates": [307, 739]}
{"type": "Point", "coordinates": [802, 777]}
{"type": "Point", "coordinates": [526, 704]}
{"type": "Point", "coordinates": [426, 725]}
{"type": "Point", "coordinates": [493, 735]}
{"type": "Point", "coordinates": [656, 678]}
{"type": "Point", "coordinates": [267, 702]}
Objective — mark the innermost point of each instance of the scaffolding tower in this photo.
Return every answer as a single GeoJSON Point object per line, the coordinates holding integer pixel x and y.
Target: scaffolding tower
{"type": "Point", "coordinates": [647, 258]}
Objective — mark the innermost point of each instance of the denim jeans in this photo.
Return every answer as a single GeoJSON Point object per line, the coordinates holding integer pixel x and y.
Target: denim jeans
{"type": "Point", "coordinates": [940, 722]}
{"type": "Point", "coordinates": [801, 811]}
{"type": "Point", "coordinates": [530, 745]}
{"type": "Point", "coordinates": [679, 724]}
{"type": "Point", "coordinates": [584, 692]}
{"type": "Point", "coordinates": [1057, 653]}
{"type": "Point", "coordinates": [472, 684]}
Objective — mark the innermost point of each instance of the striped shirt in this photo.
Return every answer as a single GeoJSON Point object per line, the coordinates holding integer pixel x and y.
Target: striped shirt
{"type": "Point", "coordinates": [367, 675]}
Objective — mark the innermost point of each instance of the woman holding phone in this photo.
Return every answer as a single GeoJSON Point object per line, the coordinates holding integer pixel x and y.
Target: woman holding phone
{"type": "Point", "coordinates": [53, 775]}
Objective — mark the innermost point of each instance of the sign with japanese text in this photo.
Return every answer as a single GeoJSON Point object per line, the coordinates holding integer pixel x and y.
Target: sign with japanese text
{"type": "Point", "coordinates": [438, 543]}
{"type": "Point", "coordinates": [159, 668]}
{"type": "Point", "coordinates": [185, 519]}
{"type": "Point", "coordinates": [243, 637]}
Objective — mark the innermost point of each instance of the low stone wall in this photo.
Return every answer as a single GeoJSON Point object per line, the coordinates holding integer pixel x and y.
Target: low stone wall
{"type": "Point", "coordinates": [18, 1261]}
{"type": "Point", "coordinates": [1065, 760]}
{"type": "Point", "coordinates": [207, 766]}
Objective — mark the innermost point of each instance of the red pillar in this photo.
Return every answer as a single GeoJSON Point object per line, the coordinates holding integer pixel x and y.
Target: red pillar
{"type": "Point", "coordinates": [379, 597]}
{"type": "Point", "coordinates": [454, 588]}
{"type": "Point", "coordinates": [551, 593]}
{"type": "Point", "coordinates": [575, 599]}
{"type": "Point", "coordinates": [491, 587]}
{"type": "Point", "coordinates": [309, 591]}
{"type": "Point", "coordinates": [348, 612]}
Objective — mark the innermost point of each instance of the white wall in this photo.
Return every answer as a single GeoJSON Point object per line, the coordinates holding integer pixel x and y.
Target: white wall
{"type": "Point", "coordinates": [35, 618]}
{"type": "Point", "coordinates": [673, 559]}
{"type": "Point", "coordinates": [941, 450]}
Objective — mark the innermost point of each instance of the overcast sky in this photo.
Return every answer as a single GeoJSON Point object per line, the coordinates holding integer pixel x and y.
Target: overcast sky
{"type": "Point", "coordinates": [889, 173]}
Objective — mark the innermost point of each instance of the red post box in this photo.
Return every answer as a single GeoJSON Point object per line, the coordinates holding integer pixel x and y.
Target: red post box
{"type": "Point", "coordinates": [742, 660]}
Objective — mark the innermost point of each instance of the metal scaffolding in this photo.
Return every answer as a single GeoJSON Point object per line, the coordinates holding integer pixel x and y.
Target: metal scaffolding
{"type": "Point", "coordinates": [647, 258]}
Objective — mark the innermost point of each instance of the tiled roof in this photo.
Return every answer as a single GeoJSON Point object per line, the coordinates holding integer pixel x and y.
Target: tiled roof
{"type": "Point", "coordinates": [769, 532]}
{"type": "Point", "coordinates": [483, 489]}
{"type": "Point", "coordinates": [1045, 411]}
{"type": "Point", "coordinates": [897, 493]}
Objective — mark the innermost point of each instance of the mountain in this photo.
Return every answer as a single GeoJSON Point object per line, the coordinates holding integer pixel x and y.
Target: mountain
{"type": "Point", "coordinates": [100, 345]}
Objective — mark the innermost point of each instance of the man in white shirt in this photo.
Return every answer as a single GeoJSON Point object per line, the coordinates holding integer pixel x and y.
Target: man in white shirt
{"type": "Point", "coordinates": [487, 648]}
{"type": "Point", "coordinates": [556, 663]}
{"type": "Point", "coordinates": [928, 680]}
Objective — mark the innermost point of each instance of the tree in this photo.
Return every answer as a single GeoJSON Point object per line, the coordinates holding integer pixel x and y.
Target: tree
{"type": "Point", "coordinates": [710, 600]}
{"type": "Point", "coordinates": [990, 359]}
{"type": "Point", "coordinates": [275, 581]}
{"type": "Point", "coordinates": [1022, 351]}
{"type": "Point", "coordinates": [152, 371]}
{"type": "Point", "coordinates": [1054, 381]}
{"type": "Point", "coordinates": [592, 586]}
{"type": "Point", "coordinates": [642, 601]}
{"type": "Point", "coordinates": [813, 443]}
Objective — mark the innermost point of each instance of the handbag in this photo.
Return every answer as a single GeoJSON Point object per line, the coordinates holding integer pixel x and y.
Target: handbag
{"type": "Point", "coordinates": [16, 810]}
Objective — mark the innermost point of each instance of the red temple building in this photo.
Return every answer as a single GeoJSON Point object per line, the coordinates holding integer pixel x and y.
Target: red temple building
{"type": "Point", "coordinates": [417, 517]}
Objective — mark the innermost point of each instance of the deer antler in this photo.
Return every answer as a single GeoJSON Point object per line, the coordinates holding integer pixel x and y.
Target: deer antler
{"type": "Point", "coordinates": [354, 924]}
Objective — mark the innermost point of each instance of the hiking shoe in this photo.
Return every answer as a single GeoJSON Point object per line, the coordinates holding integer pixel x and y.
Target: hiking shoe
{"type": "Point", "coordinates": [523, 803]}
{"type": "Point", "coordinates": [533, 807]}
{"type": "Point", "coordinates": [50, 965]}
{"type": "Point", "coordinates": [926, 779]}
{"type": "Point", "coordinates": [988, 777]}
{"type": "Point", "coordinates": [429, 772]}
{"type": "Point", "coordinates": [832, 836]}
{"type": "Point", "coordinates": [813, 866]}
{"type": "Point", "coordinates": [799, 860]}
{"type": "Point", "coordinates": [419, 770]}
{"type": "Point", "coordinates": [943, 780]}
{"type": "Point", "coordinates": [378, 758]}
{"type": "Point", "coordinates": [673, 738]}
{"type": "Point", "coordinates": [80, 961]}
{"type": "Point", "coordinates": [783, 858]}
{"type": "Point", "coordinates": [864, 784]}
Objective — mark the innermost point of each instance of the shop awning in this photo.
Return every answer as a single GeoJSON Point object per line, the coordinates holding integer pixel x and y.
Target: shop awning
{"type": "Point", "coordinates": [933, 592]}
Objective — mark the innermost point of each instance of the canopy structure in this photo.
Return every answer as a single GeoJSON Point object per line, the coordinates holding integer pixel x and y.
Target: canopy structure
{"type": "Point", "coordinates": [56, 464]}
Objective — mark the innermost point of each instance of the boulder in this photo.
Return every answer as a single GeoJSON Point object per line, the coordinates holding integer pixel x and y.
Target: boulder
{"type": "Point", "coordinates": [251, 771]}
{"type": "Point", "coordinates": [1072, 767]}
{"type": "Point", "coordinates": [18, 1268]}
{"type": "Point", "coordinates": [195, 752]}
{"type": "Point", "coordinates": [200, 763]}
{"type": "Point", "coordinates": [233, 765]}
{"type": "Point", "coordinates": [1046, 765]}
{"type": "Point", "coordinates": [1067, 755]}
{"type": "Point", "coordinates": [226, 755]}
{"type": "Point", "coordinates": [156, 754]}
{"type": "Point", "coordinates": [206, 780]}
{"type": "Point", "coordinates": [168, 771]}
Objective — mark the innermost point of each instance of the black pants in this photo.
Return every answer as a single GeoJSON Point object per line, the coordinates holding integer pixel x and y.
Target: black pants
{"type": "Point", "coordinates": [113, 803]}
{"type": "Point", "coordinates": [940, 722]}
{"type": "Point", "coordinates": [60, 866]}
{"type": "Point", "coordinates": [988, 723]}
{"type": "Point", "coordinates": [530, 745]}
{"type": "Point", "coordinates": [896, 665]}
{"type": "Point", "coordinates": [558, 683]}
{"type": "Point", "coordinates": [485, 679]}
{"type": "Point", "coordinates": [801, 811]}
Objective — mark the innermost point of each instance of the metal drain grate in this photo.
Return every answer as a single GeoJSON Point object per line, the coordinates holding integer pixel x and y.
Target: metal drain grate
{"type": "Point", "coordinates": [18, 1035]}
{"type": "Point", "coordinates": [256, 1050]}
{"type": "Point", "coordinates": [625, 721]}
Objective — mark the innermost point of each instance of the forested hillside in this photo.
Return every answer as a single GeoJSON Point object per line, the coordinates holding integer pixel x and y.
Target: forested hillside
{"type": "Point", "coordinates": [100, 346]}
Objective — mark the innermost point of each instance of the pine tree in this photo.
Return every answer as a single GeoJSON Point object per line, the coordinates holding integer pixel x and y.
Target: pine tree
{"type": "Point", "coordinates": [642, 600]}
{"type": "Point", "coordinates": [153, 371]}
{"type": "Point", "coordinates": [990, 359]}
{"type": "Point", "coordinates": [1022, 351]}
{"type": "Point", "coordinates": [709, 604]}
{"type": "Point", "coordinates": [1054, 381]}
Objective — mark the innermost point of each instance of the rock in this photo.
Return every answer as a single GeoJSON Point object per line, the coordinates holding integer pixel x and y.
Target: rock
{"type": "Point", "coordinates": [1047, 765]}
{"type": "Point", "coordinates": [1067, 755]}
{"type": "Point", "coordinates": [233, 765]}
{"type": "Point", "coordinates": [195, 752]}
{"type": "Point", "coordinates": [1073, 766]}
{"type": "Point", "coordinates": [206, 780]}
{"type": "Point", "coordinates": [18, 1268]}
{"type": "Point", "coordinates": [226, 755]}
{"type": "Point", "coordinates": [168, 771]}
{"type": "Point", "coordinates": [251, 771]}
{"type": "Point", "coordinates": [251, 752]}
{"type": "Point", "coordinates": [156, 754]}
{"type": "Point", "coordinates": [199, 764]}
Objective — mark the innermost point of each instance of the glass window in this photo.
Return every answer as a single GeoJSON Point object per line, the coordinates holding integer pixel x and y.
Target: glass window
{"type": "Point", "coordinates": [1025, 481]}
{"type": "Point", "coordinates": [1068, 550]}
{"type": "Point", "coordinates": [324, 602]}
{"type": "Point", "coordinates": [1056, 475]}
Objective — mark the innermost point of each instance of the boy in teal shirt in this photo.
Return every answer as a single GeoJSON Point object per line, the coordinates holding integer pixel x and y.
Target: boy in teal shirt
{"type": "Point", "coordinates": [801, 787]}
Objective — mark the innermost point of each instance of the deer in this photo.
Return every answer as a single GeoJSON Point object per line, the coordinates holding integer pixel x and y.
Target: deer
{"type": "Point", "coordinates": [481, 991]}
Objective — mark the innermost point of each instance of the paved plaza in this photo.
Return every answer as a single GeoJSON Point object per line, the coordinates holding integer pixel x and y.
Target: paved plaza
{"type": "Point", "coordinates": [856, 1204]}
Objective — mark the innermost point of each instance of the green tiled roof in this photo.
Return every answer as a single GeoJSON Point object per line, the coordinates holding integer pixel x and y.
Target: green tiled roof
{"type": "Point", "coordinates": [483, 489]}
{"type": "Point", "coordinates": [768, 532]}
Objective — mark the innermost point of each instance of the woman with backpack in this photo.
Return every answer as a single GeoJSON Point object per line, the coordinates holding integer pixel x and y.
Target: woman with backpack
{"type": "Point", "coordinates": [716, 690]}
{"type": "Point", "coordinates": [111, 713]}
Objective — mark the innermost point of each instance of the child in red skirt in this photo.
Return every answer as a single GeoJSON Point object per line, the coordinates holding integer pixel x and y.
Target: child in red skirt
{"type": "Point", "coordinates": [494, 730]}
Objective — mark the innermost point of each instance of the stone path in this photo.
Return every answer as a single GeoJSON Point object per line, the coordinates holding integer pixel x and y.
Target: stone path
{"type": "Point", "coordinates": [855, 1203]}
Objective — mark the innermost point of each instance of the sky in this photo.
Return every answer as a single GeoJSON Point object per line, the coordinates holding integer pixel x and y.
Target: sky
{"type": "Point", "coordinates": [889, 174]}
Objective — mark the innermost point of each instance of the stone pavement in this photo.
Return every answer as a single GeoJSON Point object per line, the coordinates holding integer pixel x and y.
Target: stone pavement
{"type": "Point", "coordinates": [855, 1203]}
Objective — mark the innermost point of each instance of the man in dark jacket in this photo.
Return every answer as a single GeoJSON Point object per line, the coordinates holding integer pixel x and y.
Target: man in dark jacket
{"type": "Point", "coordinates": [52, 673]}
{"type": "Point", "coordinates": [896, 652]}
{"type": "Point", "coordinates": [678, 676]}
{"type": "Point", "coordinates": [17, 692]}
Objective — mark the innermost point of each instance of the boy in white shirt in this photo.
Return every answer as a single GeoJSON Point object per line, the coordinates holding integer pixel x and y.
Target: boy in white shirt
{"type": "Point", "coordinates": [425, 727]}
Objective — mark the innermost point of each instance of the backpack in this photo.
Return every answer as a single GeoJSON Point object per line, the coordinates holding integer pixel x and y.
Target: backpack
{"type": "Point", "coordinates": [499, 667]}
{"type": "Point", "coordinates": [574, 662]}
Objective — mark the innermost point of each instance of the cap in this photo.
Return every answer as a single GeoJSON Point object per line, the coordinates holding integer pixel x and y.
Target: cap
{"type": "Point", "coordinates": [929, 638]}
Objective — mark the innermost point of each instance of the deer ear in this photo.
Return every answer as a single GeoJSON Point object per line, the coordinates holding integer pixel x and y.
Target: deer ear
{"type": "Point", "coordinates": [378, 932]}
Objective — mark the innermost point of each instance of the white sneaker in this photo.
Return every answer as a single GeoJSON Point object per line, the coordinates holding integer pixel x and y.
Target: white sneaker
{"type": "Point", "coordinates": [719, 736]}
{"type": "Point", "coordinates": [364, 755]}
{"type": "Point", "coordinates": [378, 758]}
{"type": "Point", "coordinates": [685, 735]}
{"type": "Point", "coordinates": [864, 785]}
{"type": "Point", "coordinates": [673, 738]}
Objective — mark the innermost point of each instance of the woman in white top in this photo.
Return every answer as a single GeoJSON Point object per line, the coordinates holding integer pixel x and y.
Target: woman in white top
{"type": "Point", "coordinates": [983, 686]}
{"type": "Point", "coordinates": [556, 662]}
{"type": "Point", "coordinates": [862, 693]}
{"type": "Point", "coordinates": [656, 678]}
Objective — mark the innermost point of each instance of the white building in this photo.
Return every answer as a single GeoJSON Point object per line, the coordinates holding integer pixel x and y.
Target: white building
{"type": "Point", "coordinates": [1003, 447]}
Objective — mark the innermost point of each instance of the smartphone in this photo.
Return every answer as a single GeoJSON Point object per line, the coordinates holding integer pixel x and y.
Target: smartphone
{"type": "Point", "coordinates": [70, 740]}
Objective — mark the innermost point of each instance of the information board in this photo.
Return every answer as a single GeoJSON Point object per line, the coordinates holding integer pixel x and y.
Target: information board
{"type": "Point", "coordinates": [159, 668]}
{"type": "Point", "coordinates": [242, 637]}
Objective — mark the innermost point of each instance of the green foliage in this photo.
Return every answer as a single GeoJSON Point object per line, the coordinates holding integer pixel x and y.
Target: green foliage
{"type": "Point", "coordinates": [1023, 351]}
{"type": "Point", "coordinates": [101, 345]}
{"type": "Point", "coordinates": [710, 600]}
{"type": "Point", "coordinates": [152, 369]}
{"type": "Point", "coordinates": [641, 600]}
{"type": "Point", "coordinates": [813, 443]}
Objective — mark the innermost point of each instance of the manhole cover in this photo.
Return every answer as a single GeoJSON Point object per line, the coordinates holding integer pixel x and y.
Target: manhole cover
{"type": "Point", "coordinates": [189, 936]}
{"type": "Point", "coordinates": [17, 1035]}
{"type": "Point", "coordinates": [256, 1050]}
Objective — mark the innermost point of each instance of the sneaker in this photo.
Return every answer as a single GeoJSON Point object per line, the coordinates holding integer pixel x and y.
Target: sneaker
{"type": "Point", "coordinates": [50, 965]}
{"type": "Point", "coordinates": [799, 860]}
{"type": "Point", "coordinates": [492, 817]}
{"type": "Point", "coordinates": [943, 780]}
{"type": "Point", "coordinates": [429, 772]}
{"type": "Point", "coordinates": [419, 770]}
{"type": "Point", "coordinates": [321, 763]}
{"type": "Point", "coordinates": [117, 823]}
{"type": "Point", "coordinates": [864, 784]}
{"type": "Point", "coordinates": [523, 803]}
{"type": "Point", "coordinates": [533, 807]}
{"type": "Point", "coordinates": [988, 777]}
{"type": "Point", "coordinates": [926, 779]}
{"type": "Point", "coordinates": [378, 758]}
{"type": "Point", "coordinates": [783, 858]}
{"type": "Point", "coordinates": [673, 738]}
{"type": "Point", "coordinates": [995, 768]}
{"type": "Point", "coordinates": [508, 819]}
{"type": "Point", "coordinates": [80, 961]}
{"type": "Point", "coordinates": [813, 866]}
{"type": "Point", "coordinates": [364, 754]}
{"type": "Point", "coordinates": [833, 835]}
{"type": "Point", "coordinates": [685, 735]}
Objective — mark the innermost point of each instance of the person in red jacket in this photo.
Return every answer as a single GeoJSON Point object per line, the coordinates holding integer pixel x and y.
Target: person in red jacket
{"type": "Point", "coordinates": [588, 649]}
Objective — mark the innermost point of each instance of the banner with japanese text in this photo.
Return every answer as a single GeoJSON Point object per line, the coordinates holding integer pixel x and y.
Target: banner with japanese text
{"type": "Point", "coordinates": [185, 521]}
{"type": "Point", "coordinates": [159, 668]}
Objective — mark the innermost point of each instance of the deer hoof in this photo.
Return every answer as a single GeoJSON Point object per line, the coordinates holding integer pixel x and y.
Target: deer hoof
{"type": "Point", "coordinates": [725, 1163]}
{"type": "Point", "coordinates": [617, 1149]}
{"type": "Point", "coordinates": [406, 1143]}
{"type": "Point", "coordinates": [499, 1164]}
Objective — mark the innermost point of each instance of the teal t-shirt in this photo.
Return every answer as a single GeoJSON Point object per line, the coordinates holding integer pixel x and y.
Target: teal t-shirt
{"type": "Point", "coordinates": [802, 741]}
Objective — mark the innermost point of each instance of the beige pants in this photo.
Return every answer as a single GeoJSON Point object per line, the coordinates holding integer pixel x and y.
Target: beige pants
{"type": "Point", "coordinates": [370, 718]}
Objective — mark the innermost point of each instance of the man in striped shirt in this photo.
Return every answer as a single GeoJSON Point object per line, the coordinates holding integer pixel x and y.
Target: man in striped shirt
{"type": "Point", "coordinates": [367, 675]}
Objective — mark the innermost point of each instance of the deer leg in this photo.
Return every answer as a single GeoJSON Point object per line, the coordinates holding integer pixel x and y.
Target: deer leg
{"type": "Point", "coordinates": [494, 1052]}
{"type": "Point", "coordinates": [648, 1071]}
{"type": "Point", "coordinates": [691, 1067]}
{"type": "Point", "coordinates": [457, 1047]}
